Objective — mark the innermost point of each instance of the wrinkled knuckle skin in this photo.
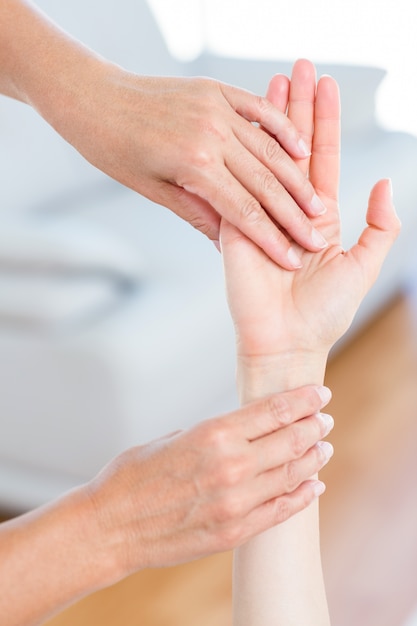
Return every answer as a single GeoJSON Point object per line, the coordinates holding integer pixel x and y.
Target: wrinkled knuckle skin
{"type": "Point", "coordinates": [273, 152]}
{"type": "Point", "coordinates": [200, 224]}
{"type": "Point", "coordinates": [267, 184]}
{"type": "Point", "coordinates": [282, 511]}
{"type": "Point", "coordinates": [263, 105]}
{"type": "Point", "coordinates": [290, 477]}
{"type": "Point", "coordinates": [279, 409]}
{"type": "Point", "coordinates": [251, 211]}
{"type": "Point", "coordinates": [298, 442]}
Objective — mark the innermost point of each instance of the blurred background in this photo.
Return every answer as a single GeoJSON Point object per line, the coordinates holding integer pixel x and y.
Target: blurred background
{"type": "Point", "coordinates": [113, 323]}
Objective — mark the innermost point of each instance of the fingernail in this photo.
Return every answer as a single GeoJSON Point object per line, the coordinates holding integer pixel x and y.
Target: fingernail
{"type": "Point", "coordinates": [303, 148]}
{"type": "Point", "coordinates": [294, 259]}
{"type": "Point", "coordinates": [319, 488]}
{"type": "Point", "coordinates": [390, 187]}
{"type": "Point", "coordinates": [217, 245]}
{"type": "Point", "coordinates": [328, 422]}
{"type": "Point", "coordinates": [318, 239]}
{"type": "Point", "coordinates": [327, 449]}
{"type": "Point", "coordinates": [325, 394]}
{"type": "Point", "coordinates": [317, 206]}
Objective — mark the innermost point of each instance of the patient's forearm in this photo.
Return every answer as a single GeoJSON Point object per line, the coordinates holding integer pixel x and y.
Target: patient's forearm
{"type": "Point", "coordinates": [277, 576]}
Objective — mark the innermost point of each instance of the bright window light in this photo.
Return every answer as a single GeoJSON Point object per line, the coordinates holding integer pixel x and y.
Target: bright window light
{"type": "Point", "coordinates": [362, 32]}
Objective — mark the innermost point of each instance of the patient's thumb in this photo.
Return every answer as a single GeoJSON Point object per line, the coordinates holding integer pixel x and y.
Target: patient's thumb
{"type": "Point", "coordinates": [383, 222]}
{"type": "Point", "coordinates": [381, 209]}
{"type": "Point", "coordinates": [382, 230]}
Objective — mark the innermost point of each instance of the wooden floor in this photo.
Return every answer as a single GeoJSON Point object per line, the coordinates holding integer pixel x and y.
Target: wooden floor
{"type": "Point", "coordinates": [369, 512]}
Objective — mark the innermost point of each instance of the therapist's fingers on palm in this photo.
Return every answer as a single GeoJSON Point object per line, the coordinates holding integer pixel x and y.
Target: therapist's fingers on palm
{"type": "Point", "coordinates": [301, 104]}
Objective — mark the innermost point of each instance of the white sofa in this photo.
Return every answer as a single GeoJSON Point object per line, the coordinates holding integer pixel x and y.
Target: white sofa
{"type": "Point", "coordinates": [113, 322]}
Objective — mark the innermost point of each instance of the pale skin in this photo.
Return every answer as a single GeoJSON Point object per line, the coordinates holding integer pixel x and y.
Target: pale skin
{"type": "Point", "coordinates": [188, 144]}
{"type": "Point", "coordinates": [179, 498]}
{"type": "Point", "coordinates": [194, 157]}
{"type": "Point", "coordinates": [286, 324]}
{"type": "Point", "coordinates": [213, 162]}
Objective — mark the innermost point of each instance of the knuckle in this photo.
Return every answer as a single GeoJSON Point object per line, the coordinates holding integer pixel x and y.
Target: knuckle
{"type": "Point", "coordinates": [215, 436]}
{"type": "Point", "coordinates": [298, 440]}
{"type": "Point", "coordinates": [199, 157]}
{"type": "Point", "coordinates": [199, 223]}
{"type": "Point", "coordinates": [251, 211]}
{"type": "Point", "coordinates": [282, 510]}
{"type": "Point", "coordinates": [228, 509]}
{"type": "Point", "coordinates": [278, 407]}
{"type": "Point", "coordinates": [267, 183]}
{"type": "Point", "coordinates": [291, 480]}
{"type": "Point", "coordinates": [234, 472]}
{"type": "Point", "coordinates": [262, 105]}
{"type": "Point", "coordinates": [230, 537]}
{"type": "Point", "coordinates": [273, 152]}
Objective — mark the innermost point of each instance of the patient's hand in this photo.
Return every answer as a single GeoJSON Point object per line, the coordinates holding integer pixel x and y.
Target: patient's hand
{"type": "Point", "coordinates": [299, 315]}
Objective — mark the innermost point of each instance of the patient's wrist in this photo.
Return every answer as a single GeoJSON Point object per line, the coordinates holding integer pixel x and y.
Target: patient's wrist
{"type": "Point", "coordinates": [258, 376]}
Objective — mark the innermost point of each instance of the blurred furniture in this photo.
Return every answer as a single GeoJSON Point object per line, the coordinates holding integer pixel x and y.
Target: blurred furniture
{"type": "Point", "coordinates": [113, 322]}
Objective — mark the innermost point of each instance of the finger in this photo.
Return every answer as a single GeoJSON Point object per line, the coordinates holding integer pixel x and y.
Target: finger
{"type": "Point", "coordinates": [301, 104]}
{"type": "Point", "coordinates": [279, 482]}
{"type": "Point", "coordinates": [273, 197]}
{"type": "Point", "coordinates": [382, 230]}
{"type": "Point", "coordinates": [237, 205]}
{"type": "Point", "coordinates": [325, 158]}
{"type": "Point", "coordinates": [277, 411]}
{"type": "Point", "coordinates": [258, 109]}
{"type": "Point", "coordinates": [278, 92]}
{"type": "Point", "coordinates": [287, 478]}
{"type": "Point", "coordinates": [190, 207]}
{"type": "Point", "coordinates": [277, 161]}
{"type": "Point", "coordinates": [278, 510]}
{"type": "Point", "coordinates": [291, 443]}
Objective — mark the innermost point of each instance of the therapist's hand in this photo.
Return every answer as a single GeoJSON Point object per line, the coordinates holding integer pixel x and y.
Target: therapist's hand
{"type": "Point", "coordinates": [197, 146]}
{"type": "Point", "coordinates": [210, 488]}
{"type": "Point", "coordinates": [190, 145]}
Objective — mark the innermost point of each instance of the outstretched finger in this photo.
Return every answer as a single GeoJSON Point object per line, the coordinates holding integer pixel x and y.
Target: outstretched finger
{"type": "Point", "coordinates": [277, 411]}
{"type": "Point", "coordinates": [301, 104]}
{"type": "Point", "coordinates": [278, 510]}
{"type": "Point", "coordinates": [325, 158]}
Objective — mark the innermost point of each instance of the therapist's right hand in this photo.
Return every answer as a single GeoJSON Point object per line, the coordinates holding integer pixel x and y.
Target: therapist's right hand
{"type": "Point", "coordinates": [212, 487]}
